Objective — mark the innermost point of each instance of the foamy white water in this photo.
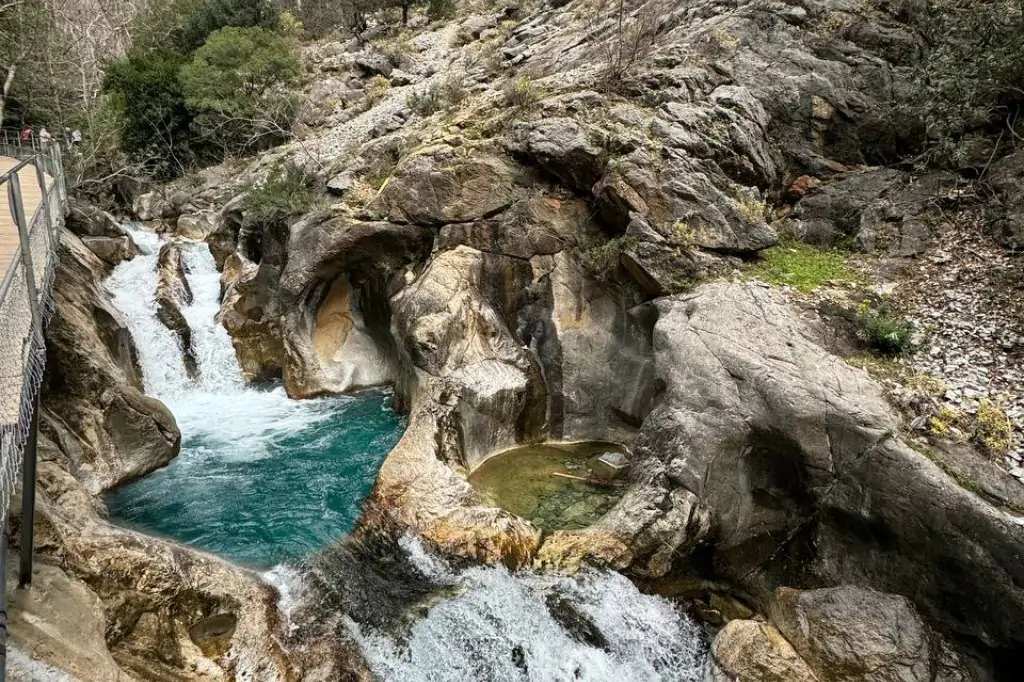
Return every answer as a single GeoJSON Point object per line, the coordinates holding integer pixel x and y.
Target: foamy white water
{"type": "Point", "coordinates": [217, 413]}
{"type": "Point", "coordinates": [500, 628]}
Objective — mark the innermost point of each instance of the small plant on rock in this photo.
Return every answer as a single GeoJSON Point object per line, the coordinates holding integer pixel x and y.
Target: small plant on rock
{"type": "Point", "coordinates": [288, 190]}
{"type": "Point", "coordinates": [602, 258]}
{"type": "Point", "coordinates": [992, 428]}
{"type": "Point", "coordinates": [377, 88]}
{"type": "Point", "coordinates": [520, 92]}
{"type": "Point", "coordinates": [882, 330]}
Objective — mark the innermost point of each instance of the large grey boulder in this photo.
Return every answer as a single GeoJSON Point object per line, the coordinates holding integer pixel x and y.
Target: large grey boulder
{"type": "Point", "coordinates": [751, 651]}
{"type": "Point", "coordinates": [852, 634]}
{"type": "Point", "coordinates": [571, 152]}
{"type": "Point", "coordinates": [798, 457]}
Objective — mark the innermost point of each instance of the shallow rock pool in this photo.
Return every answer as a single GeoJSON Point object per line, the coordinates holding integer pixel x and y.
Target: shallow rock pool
{"type": "Point", "coordinates": [533, 482]}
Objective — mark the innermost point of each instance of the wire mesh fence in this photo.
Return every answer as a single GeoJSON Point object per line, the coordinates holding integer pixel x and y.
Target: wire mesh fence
{"type": "Point", "coordinates": [32, 207]}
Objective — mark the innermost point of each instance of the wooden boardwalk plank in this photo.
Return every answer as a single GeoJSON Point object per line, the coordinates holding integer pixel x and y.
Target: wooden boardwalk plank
{"type": "Point", "coordinates": [14, 331]}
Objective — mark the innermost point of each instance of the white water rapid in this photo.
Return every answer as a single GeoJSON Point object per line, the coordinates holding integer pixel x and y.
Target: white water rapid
{"type": "Point", "coordinates": [218, 410]}
{"type": "Point", "coordinates": [505, 627]}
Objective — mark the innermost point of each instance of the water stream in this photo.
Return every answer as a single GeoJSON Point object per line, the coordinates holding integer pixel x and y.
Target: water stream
{"type": "Point", "coordinates": [261, 478]}
{"type": "Point", "coordinates": [265, 481]}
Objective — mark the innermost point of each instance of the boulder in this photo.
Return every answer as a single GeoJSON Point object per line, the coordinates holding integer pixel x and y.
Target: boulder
{"type": "Point", "coordinates": [446, 185]}
{"type": "Point", "coordinates": [751, 651]}
{"type": "Point", "coordinates": [109, 431]}
{"type": "Point", "coordinates": [112, 250]}
{"type": "Point", "coordinates": [568, 150]}
{"type": "Point", "coordinates": [86, 220]}
{"type": "Point", "coordinates": [151, 206]}
{"type": "Point", "coordinates": [780, 439]}
{"type": "Point", "coordinates": [374, 64]}
{"type": "Point", "coordinates": [197, 226]}
{"type": "Point", "coordinates": [850, 633]}
{"type": "Point", "coordinates": [879, 210]}
{"type": "Point", "coordinates": [172, 294]}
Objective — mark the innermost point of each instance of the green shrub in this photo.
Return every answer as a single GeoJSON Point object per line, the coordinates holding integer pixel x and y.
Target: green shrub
{"type": "Point", "coordinates": [440, 9]}
{"type": "Point", "coordinates": [884, 332]}
{"type": "Point", "coordinates": [147, 96]}
{"type": "Point", "coordinates": [437, 97]}
{"type": "Point", "coordinates": [287, 191]}
{"type": "Point", "coordinates": [602, 258]}
{"type": "Point", "coordinates": [209, 16]}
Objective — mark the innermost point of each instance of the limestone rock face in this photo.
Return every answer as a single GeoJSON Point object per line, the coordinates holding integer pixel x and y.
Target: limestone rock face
{"type": "Point", "coordinates": [849, 633]}
{"type": "Point", "coordinates": [110, 432]}
{"type": "Point", "coordinates": [780, 439]}
{"type": "Point", "coordinates": [536, 225]}
{"type": "Point", "coordinates": [417, 489]}
{"type": "Point", "coordinates": [334, 294]}
{"type": "Point", "coordinates": [440, 185]}
{"type": "Point", "coordinates": [749, 651]}
{"type": "Point", "coordinates": [172, 294]}
{"type": "Point", "coordinates": [450, 329]}
{"type": "Point", "coordinates": [61, 621]}
{"type": "Point", "coordinates": [878, 210]}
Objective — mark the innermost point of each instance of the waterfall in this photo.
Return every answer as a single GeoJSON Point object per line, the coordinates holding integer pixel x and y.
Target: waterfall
{"type": "Point", "coordinates": [218, 410]}
{"type": "Point", "coordinates": [414, 617]}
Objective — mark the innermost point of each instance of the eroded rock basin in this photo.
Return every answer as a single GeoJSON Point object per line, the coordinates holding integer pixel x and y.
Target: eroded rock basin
{"type": "Point", "coordinates": [261, 479]}
{"type": "Point", "coordinates": [271, 496]}
{"type": "Point", "coordinates": [556, 486]}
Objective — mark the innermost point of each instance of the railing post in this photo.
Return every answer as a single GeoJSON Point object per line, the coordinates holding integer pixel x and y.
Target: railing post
{"type": "Point", "coordinates": [28, 485]}
{"type": "Point", "coordinates": [3, 600]}
{"type": "Point", "coordinates": [45, 194]}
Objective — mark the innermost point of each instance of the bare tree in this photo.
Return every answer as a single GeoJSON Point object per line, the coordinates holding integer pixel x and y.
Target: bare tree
{"type": "Point", "coordinates": [625, 33]}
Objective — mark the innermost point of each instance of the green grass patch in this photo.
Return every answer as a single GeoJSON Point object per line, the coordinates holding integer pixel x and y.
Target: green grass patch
{"type": "Point", "coordinates": [801, 266]}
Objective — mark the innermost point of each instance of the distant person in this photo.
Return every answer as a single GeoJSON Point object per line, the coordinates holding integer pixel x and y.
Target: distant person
{"type": "Point", "coordinates": [45, 137]}
{"type": "Point", "coordinates": [26, 134]}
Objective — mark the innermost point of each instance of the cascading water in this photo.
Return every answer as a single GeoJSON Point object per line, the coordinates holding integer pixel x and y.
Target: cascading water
{"type": "Point", "coordinates": [261, 478]}
{"type": "Point", "coordinates": [416, 618]}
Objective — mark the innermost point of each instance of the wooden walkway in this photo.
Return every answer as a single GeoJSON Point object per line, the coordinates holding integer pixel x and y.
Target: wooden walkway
{"type": "Point", "coordinates": [32, 198]}
{"type": "Point", "coordinates": [17, 317]}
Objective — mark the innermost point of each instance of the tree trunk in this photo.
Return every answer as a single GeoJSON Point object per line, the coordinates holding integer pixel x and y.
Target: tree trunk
{"type": "Point", "coordinates": [8, 82]}
{"type": "Point", "coordinates": [405, 15]}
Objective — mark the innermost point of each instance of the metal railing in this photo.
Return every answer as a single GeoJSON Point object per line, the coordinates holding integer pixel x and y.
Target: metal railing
{"type": "Point", "coordinates": [36, 201]}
